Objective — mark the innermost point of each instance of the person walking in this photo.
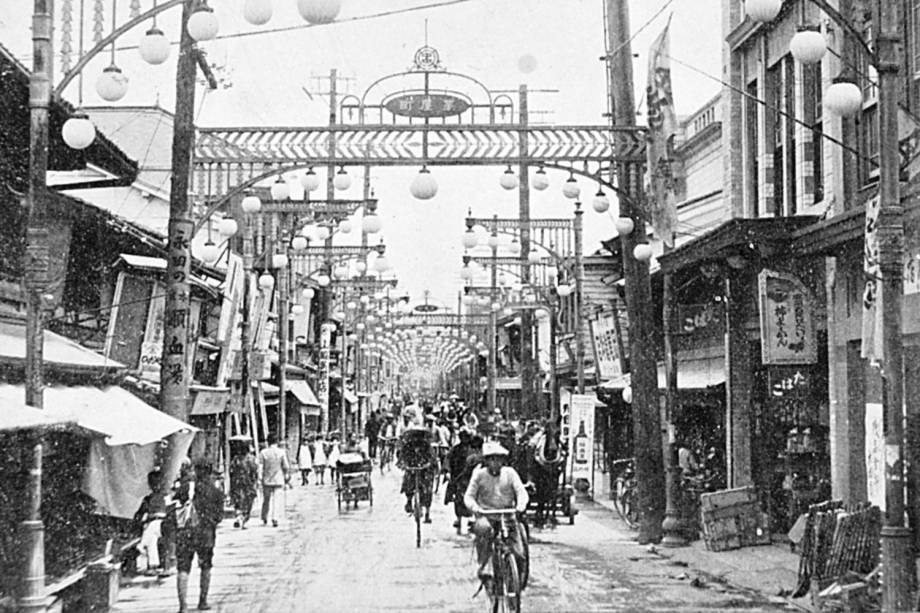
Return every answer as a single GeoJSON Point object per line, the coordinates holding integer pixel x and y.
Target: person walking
{"type": "Point", "coordinates": [275, 469]}
{"type": "Point", "coordinates": [244, 484]}
{"type": "Point", "coordinates": [332, 457]}
{"type": "Point", "coordinates": [372, 431]}
{"type": "Point", "coordinates": [319, 460]}
{"type": "Point", "coordinates": [305, 461]}
{"type": "Point", "coordinates": [197, 531]}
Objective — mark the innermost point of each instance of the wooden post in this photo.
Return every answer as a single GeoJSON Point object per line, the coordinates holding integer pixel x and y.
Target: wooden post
{"type": "Point", "coordinates": [738, 381]}
{"type": "Point", "coordinates": [672, 525]}
{"type": "Point", "coordinates": [493, 358]}
{"type": "Point", "coordinates": [528, 397]}
{"type": "Point", "coordinates": [644, 375]}
{"type": "Point", "coordinates": [578, 224]}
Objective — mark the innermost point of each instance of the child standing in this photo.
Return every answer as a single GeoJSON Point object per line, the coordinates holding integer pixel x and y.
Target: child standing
{"type": "Point", "coordinates": [319, 460]}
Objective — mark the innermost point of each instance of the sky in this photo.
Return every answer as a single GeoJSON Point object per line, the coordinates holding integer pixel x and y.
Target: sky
{"type": "Point", "coordinates": [274, 75]}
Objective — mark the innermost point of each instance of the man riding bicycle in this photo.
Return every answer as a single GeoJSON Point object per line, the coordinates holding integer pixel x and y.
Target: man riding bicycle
{"type": "Point", "coordinates": [494, 486]}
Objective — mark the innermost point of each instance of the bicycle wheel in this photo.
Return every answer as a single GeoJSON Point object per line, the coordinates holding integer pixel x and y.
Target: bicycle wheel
{"type": "Point", "coordinates": [511, 588]}
{"type": "Point", "coordinates": [417, 511]}
{"type": "Point", "coordinates": [525, 561]}
{"type": "Point", "coordinates": [630, 509]}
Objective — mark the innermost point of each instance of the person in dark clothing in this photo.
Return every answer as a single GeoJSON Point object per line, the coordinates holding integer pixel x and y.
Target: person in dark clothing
{"type": "Point", "coordinates": [244, 484]}
{"type": "Point", "coordinates": [197, 537]}
{"type": "Point", "coordinates": [372, 431]}
{"type": "Point", "coordinates": [459, 478]}
{"type": "Point", "coordinates": [148, 520]}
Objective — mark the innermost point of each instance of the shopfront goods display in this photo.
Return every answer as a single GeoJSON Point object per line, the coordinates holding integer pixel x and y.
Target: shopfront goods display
{"type": "Point", "coordinates": [732, 519]}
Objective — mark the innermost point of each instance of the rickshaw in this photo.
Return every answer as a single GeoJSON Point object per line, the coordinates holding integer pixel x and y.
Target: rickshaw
{"type": "Point", "coordinates": [353, 480]}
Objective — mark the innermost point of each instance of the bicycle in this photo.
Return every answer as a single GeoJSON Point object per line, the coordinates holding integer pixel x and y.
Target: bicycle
{"type": "Point", "coordinates": [417, 502]}
{"type": "Point", "coordinates": [386, 452]}
{"type": "Point", "coordinates": [508, 580]}
{"type": "Point", "coordinates": [625, 495]}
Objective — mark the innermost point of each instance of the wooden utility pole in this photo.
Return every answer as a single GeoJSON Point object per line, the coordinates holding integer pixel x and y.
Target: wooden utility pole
{"type": "Point", "coordinates": [528, 396]}
{"type": "Point", "coordinates": [647, 441]}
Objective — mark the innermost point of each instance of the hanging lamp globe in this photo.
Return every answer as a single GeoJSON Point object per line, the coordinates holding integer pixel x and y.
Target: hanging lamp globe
{"type": "Point", "coordinates": [279, 260]}
{"type": "Point", "coordinates": [424, 186]}
{"type": "Point", "coordinates": [624, 226]}
{"type": "Point", "coordinates": [202, 24]}
{"type": "Point", "coordinates": [309, 181]}
{"type": "Point", "coordinates": [227, 227]}
{"type": "Point", "coordinates": [340, 272]}
{"type": "Point", "coordinates": [345, 226]}
{"type": "Point", "coordinates": [257, 12]}
{"type": "Point", "coordinates": [570, 189]}
{"type": "Point", "coordinates": [297, 309]}
{"type": "Point", "coordinates": [371, 223]}
{"type": "Point", "coordinates": [319, 11]}
{"type": "Point", "coordinates": [266, 281]}
{"type": "Point", "coordinates": [361, 268]}
{"type": "Point", "coordinates": [251, 204]}
{"type": "Point", "coordinates": [534, 257]}
{"type": "Point", "coordinates": [541, 314]}
{"type": "Point", "coordinates": [492, 241]}
{"type": "Point", "coordinates": [466, 273]}
{"type": "Point", "coordinates": [154, 47]}
{"type": "Point", "coordinates": [627, 394]}
{"type": "Point", "coordinates": [762, 11]}
{"type": "Point", "coordinates": [601, 202]}
{"type": "Point", "coordinates": [342, 180]}
{"type": "Point", "coordinates": [299, 243]}
{"type": "Point", "coordinates": [470, 240]}
{"type": "Point", "coordinates": [209, 252]}
{"type": "Point", "coordinates": [642, 252]}
{"type": "Point", "coordinates": [381, 264]}
{"type": "Point", "coordinates": [540, 180]}
{"type": "Point", "coordinates": [808, 45]}
{"type": "Point", "coordinates": [321, 233]}
{"type": "Point", "coordinates": [508, 179]}
{"type": "Point", "coordinates": [78, 131]}
{"type": "Point", "coordinates": [843, 97]}
{"type": "Point", "coordinates": [112, 84]}
{"type": "Point", "coordinates": [323, 280]}
{"type": "Point", "coordinates": [308, 293]}
{"type": "Point", "coordinates": [466, 300]}
{"type": "Point", "coordinates": [280, 190]}
{"type": "Point", "coordinates": [564, 290]}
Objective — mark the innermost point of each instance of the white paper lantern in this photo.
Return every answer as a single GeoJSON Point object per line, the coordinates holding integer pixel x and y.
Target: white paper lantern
{"type": "Point", "coordinates": [309, 181]}
{"type": "Point", "coordinates": [319, 11]}
{"type": "Point", "coordinates": [251, 204]}
{"type": "Point", "coordinates": [257, 12]}
{"type": "Point", "coordinates": [624, 225]}
{"type": "Point", "coordinates": [540, 181]}
{"type": "Point", "coordinates": [308, 293]}
{"type": "Point", "coordinates": [843, 98]}
{"type": "Point", "coordinates": [266, 281]}
{"type": "Point", "coordinates": [154, 47]}
{"type": "Point", "coordinates": [323, 280]}
{"type": "Point", "coordinates": [342, 180]}
{"type": "Point", "coordinates": [424, 186]}
{"type": "Point", "coordinates": [112, 84]}
{"type": "Point", "coordinates": [563, 290]}
{"type": "Point", "coordinates": [808, 46]}
{"type": "Point", "coordinates": [642, 252]}
{"type": "Point", "coordinates": [762, 10]}
{"type": "Point", "coordinates": [279, 260]}
{"type": "Point", "coordinates": [299, 243]}
{"type": "Point", "coordinates": [570, 189]}
{"type": "Point", "coordinates": [209, 252]}
{"type": "Point", "coordinates": [371, 224]}
{"type": "Point", "coordinates": [600, 203]}
{"type": "Point", "coordinates": [280, 190]}
{"type": "Point", "coordinates": [227, 227]}
{"type": "Point", "coordinates": [202, 24]}
{"type": "Point", "coordinates": [78, 131]}
{"type": "Point", "coordinates": [509, 180]}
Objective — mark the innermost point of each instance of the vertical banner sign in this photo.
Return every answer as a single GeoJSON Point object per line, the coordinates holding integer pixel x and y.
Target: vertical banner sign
{"type": "Point", "coordinates": [581, 436]}
{"type": "Point", "coordinates": [152, 347]}
{"type": "Point", "coordinates": [787, 329]}
{"type": "Point", "coordinates": [172, 374]}
{"type": "Point", "coordinates": [872, 298]}
{"type": "Point", "coordinates": [606, 347]}
{"type": "Point", "coordinates": [875, 455]}
{"type": "Point", "coordinates": [662, 126]}
{"type": "Point", "coordinates": [322, 387]}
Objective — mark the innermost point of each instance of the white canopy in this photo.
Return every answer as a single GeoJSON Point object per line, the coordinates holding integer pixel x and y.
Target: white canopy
{"type": "Point", "coordinates": [19, 416]}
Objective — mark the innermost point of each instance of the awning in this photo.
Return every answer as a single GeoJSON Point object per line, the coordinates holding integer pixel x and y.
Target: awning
{"type": "Point", "coordinates": [303, 393]}
{"type": "Point", "coordinates": [691, 375]}
{"type": "Point", "coordinates": [19, 416]}
{"type": "Point", "coordinates": [114, 412]}
{"type": "Point", "coordinates": [56, 350]}
{"type": "Point", "coordinates": [210, 401]}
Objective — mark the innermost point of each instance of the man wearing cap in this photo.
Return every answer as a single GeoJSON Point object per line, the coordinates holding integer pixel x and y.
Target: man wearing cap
{"type": "Point", "coordinates": [494, 486]}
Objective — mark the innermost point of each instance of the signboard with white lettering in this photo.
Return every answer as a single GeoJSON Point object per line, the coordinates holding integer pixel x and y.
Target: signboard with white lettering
{"type": "Point", "coordinates": [606, 346]}
{"type": "Point", "coordinates": [581, 437]}
{"type": "Point", "coordinates": [427, 105]}
{"type": "Point", "coordinates": [787, 332]}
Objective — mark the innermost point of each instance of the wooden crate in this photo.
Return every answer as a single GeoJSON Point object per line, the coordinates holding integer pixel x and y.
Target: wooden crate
{"type": "Point", "coordinates": [732, 519]}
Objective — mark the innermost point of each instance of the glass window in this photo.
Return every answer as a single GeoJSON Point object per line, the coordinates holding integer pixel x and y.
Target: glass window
{"type": "Point", "coordinates": [752, 106]}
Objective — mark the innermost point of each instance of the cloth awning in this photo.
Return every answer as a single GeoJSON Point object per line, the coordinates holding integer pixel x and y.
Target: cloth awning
{"type": "Point", "coordinates": [303, 393]}
{"type": "Point", "coordinates": [691, 375]}
{"type": "Point", "coordinates": [56, 349]}
{"type": "Point", "coordinates": [211, 401]}
{"type": "Point", "coordinates": [19, 416]}
{"type": "Point", "coordinates": [117, 414]}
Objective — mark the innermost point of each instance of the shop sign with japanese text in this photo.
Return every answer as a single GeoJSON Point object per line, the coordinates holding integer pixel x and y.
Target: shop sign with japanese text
{"type": "Point", "coordinates": [427, 105]}
{"type": "Point", "coordinates": [787, 328]}
{"type": "Point", "coordinates": [606, 345]}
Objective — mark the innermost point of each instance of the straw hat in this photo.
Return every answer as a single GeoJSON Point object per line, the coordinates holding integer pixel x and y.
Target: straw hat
{"type": "Point", "coordinates": [493, 448]}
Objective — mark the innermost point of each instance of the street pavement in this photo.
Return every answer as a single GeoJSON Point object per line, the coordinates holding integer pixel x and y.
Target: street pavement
{"type": "Point", "coordinates": [365, 560]}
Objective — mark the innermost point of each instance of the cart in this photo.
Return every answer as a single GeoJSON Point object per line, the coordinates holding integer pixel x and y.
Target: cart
{"type": "Point", "coordinates": [353, 480]}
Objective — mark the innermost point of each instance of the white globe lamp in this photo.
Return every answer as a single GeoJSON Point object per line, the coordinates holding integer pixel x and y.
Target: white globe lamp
{"type": "Point", "coordinates": [279, 260]}
{"type": "Point", "coordinates": [540, 180]}
{"type": "Point", "coordinates": [570, 189]}
{"type": "Point", "coordinates": [299, 243]}
{"type": "Point", "coordinates": [280, 190]}
{"type": "Point", "coordinates": [624, 226]}
{"type": "Point", "coordinates": [541, 314]}
{"type": "Point", "coordinates": [323, 280]}
{"type": "Point", "coordinates": [154, 47]}
{"type": "Point", "coordinates": [345, 226]}
{"type": "Point", "coordinates": [371, 223]}
{"type": "Point", "coordinates": [321, 233]}
{"type": "Point", "coordinates": [492, 241]}
{"type": "Point", "coordinates": [508, 179]}
{"type": "Point", "coordinates": [563, 290]}
{"type": "Point", "coordinates": [209, 252]}
{"type": "Point", "coordinates": [470, 239]}
{"type": "Point", "coordinates": [763, 10]}
{"type": "Point", "coordinates": [319, 11]}
{"type": "Point", "coordinates": [78, 131]}
{"type": "Point", "coordinates": [808, 46]}
{"type": "Point", "coordinates": [112, 84]}
{"type": "Point", "coordinates": [642, 252]}
{"type": "Point", "coordinates": [466, 273]}
{"type": "Point", "coordinates": [534, 257]}
{"type": "Point", "coordinates": [627, 395]}
{"type": "Point", "coordinates": [308, 293]}
{"type": "Point", "coordinates": [309, 181]}
{"type": "Point", "coordinates": [361, 268]}
{"type": "Point", "coordinates": [266, 281]}
{"type": "Point", "coordinates": [424, 186]}
{"type": "Point", "coordinates": [600, 203]}
{"type": "Point", "coordinates": [843, 98]}
{"type": "Point", "coordinates": [257, 12]}
{"type": "Point", "coordinates": [251, 205]}
{"type": "Point", "coordinates": [202, 24]}
{"type": "Point", "coordinates": [342, 180]}
{"type": "Point", "coordinates": [381, 264]}
{"type": "Point", "coordinates": [227, 227]}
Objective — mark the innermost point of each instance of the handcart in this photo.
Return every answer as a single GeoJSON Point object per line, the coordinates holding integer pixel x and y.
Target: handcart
{"type": "Point", "coordinates": [353, 480]}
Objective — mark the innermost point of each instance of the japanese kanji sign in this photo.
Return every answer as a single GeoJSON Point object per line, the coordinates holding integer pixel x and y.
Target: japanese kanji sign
{"type": "Point", "coordinates": [606, 347]}
{"type": "Point", "coordinates": [787, 329]}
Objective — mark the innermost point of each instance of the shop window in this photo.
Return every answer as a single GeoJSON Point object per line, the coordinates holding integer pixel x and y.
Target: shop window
{"type": "Point", "coordinates": [781, 135]}
{"type": "Point", "coordinates": [813, 107]}
{"type": "Point", "coordinates": [751, 110]}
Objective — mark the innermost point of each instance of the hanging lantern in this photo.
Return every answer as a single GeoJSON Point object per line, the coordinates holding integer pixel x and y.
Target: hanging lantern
{"type": "Point", "coordinates": [361, 268]}
{"type": "Point", "coordinates": [843, 97]}
{"type": "Point", "coordinates": [381, 264]}
{"type": "Point", "coordinates": [227, 227]}
{"type": "Point", "coordinates": [297, 309]}
{"type": "Point", "coordinates": [540, 181]}
{"type": "Point", "coordinates": [808, 45]}
{"type": "Point", "coordinates": [340, 271]}
{"type": "Point", "coordinates": [351, 305]}
{"type": "Point", "coordinates": [209, 252]}
{"type": "Point", "coordinates": [762, 10]}
{"type": "Point", "coordinates": [78, 131]}
{"type": "Point", "coordinates": [279, 260]}
{"type": "Point", "coordinates": [600, 203]}
{"type": "Point", "coordinates": [627, 394]}
{"type": "Point", "coordinates": [299, 243]}
{"type": "Point", "coordinates": [624, 226]}
{"type": "Point", "coordinates": [309, 181]}
{"type": "Point", "coordinates": [541, 314]}
{"type": "Point", "coordinates": [470, 239]}
{"type": "Point", "coordinates": [345, 226]}
{"type": "Point", "coordinates": [466, 273]}
{"type": "Point", "coordinates": [112, 84]}
{"type": "Point", "coordinates": [321, 233]}
{"type": "Point", "coordinates": [280, 190]}
{"type": "Point", "coordinates": [508, 179]}
{"type": "Point", "coordinates": [571, 190]}
{"type": "Point", "coordinates": [323, 280]}
{"type": "Point", "coordinates": [308, 293]}
{"type": "Point", "coordinates": [492, 241]}
{"type": "Point", "coordinates": [371, 223]}
{"type": "Point", "coordinates": [642, 252]}
{"type": "Point", "coordinates": [319, 11]}
{"type": "Point", "coordinates": [342, 180]}
{"type": "Point", "coordinates": [466, 300]}
{"type": "Point", "coordinates": [251, 204]}
{"type": "Point", "coordinates": [266, 281]}
{"type": "Point", "coordinates": [154, 47]}
{"type": "Point", "coordinates": [534, 257]}
{"type": "Point", "coordinates": [424, 186]}
{"type": "Point", "coordinates": [563, 290]}
{"type": "Point", "coordinates": [257, 12]}
{"type": "Point", "coordinates": [202, 24]}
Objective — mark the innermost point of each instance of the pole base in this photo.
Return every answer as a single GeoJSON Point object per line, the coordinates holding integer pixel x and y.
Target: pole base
{"type": "Point", "coordinates": [898, 570]}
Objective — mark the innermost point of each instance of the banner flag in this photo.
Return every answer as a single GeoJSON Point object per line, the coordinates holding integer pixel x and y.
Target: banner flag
{"type": "Point", "coordinates": [662, 127]}
{"type": "Point", "coordinates": [872, 334]}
